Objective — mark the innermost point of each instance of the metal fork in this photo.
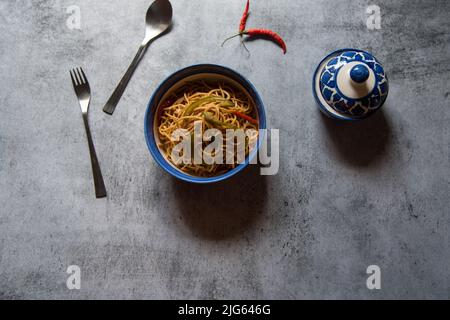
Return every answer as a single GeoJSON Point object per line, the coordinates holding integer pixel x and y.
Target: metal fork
{"type": "Point", "coordinates": [83, 92]}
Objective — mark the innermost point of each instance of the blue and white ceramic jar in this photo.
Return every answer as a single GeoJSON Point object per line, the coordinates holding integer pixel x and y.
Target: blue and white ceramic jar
{"type": "Point", "coordinates": [350, 84]}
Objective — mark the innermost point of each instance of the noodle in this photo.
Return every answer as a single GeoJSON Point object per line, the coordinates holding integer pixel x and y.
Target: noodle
{"type": "Point", "coordinates": [216, 105]}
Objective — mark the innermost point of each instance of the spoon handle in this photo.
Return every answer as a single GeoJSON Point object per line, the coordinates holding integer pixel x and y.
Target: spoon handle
{"type": "Point", "coordinates": [110, 106]}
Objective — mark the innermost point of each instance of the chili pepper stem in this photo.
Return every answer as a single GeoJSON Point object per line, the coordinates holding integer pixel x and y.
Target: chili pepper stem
{"type": "Point", "coordinates": [229, 38]}
{"type": "Point", "coordinates": [245, 47]}
{"type": "Point", "coordinates": [242, 41]}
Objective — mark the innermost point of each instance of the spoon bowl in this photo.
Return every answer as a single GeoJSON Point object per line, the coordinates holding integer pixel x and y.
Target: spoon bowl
{"type": "Point", "coordinates": [157, 20]}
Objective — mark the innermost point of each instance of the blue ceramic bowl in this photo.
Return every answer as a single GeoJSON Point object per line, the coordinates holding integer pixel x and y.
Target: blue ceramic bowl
{"type": "Point", "coordinates": [174, 81]}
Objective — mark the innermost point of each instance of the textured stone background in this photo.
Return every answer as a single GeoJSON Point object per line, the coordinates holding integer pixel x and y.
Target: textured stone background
{"type": "Point", "coordinates": [347, 195]}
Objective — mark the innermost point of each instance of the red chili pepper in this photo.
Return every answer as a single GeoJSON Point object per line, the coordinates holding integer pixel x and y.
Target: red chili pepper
{"type": "Point", "coordinates": [244, 17]}
{"type": "Point", "coordinates": [269, 34]}
{"type": "Point", "coordinates": [246, 117]}
{"type": "Point", "coordinates": [263, 33]}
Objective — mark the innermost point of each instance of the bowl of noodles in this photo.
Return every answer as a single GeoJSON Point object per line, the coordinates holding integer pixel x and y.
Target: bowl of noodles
{"type": "Point", "coordinates": [204, 123]}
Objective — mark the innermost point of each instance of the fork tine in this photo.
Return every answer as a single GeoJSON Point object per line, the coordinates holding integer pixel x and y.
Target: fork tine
{"type": "Point", "coordinates": [74, 80]}
{"type": "Point", "coordinates": [84, 76]}
{"type": "Point", "coordinates": [79, 76]}
{"type": "Point", "coordinates": [76, 76]}
{"type": "Point", "coordinates": [80, 79]}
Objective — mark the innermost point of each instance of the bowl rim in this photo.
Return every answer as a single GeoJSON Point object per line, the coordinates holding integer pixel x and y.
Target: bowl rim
{"type": "Point", "coordinates": [319, 103]}
{"type": "Point", "coordinates": [201, 68]}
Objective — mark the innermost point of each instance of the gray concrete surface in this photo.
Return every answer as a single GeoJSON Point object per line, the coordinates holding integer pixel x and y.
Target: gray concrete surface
{"type": "Point", "coordinates": [347, 195]}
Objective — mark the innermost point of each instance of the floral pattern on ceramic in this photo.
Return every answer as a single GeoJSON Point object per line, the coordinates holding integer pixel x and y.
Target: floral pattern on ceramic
{"type": "Point", "coordinates": [363, 66]}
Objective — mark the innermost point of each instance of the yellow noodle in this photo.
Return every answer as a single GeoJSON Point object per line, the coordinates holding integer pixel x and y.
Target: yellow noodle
{"type": "Point", "coordinates": [173, 117]}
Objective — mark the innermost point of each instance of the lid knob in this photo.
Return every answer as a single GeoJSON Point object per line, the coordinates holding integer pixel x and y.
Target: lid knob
{"type": "Point", "coordinates": [359, 73]}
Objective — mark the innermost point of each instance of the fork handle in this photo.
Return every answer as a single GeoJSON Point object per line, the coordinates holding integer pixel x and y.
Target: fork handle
{"type": "Point", "coordinates": [110, 106]}
{"type": "Point", "coordinates": [100, 190]}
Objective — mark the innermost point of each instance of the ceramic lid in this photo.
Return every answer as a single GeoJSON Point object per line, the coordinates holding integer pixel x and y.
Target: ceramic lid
{"type": "Point", "coordinates": [350, 83]}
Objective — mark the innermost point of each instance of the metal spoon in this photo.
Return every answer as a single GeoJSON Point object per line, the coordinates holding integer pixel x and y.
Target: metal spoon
{"type": "Point", "coordinates": [157, 21]}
